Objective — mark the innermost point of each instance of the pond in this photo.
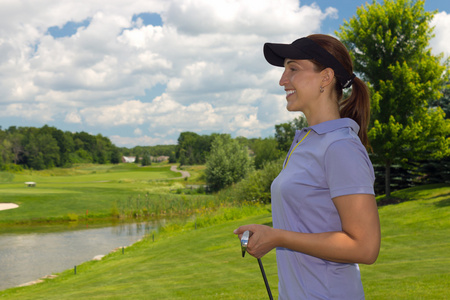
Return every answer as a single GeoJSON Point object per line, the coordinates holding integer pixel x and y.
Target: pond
{"type": "Point", "coordinates": [25, 257]}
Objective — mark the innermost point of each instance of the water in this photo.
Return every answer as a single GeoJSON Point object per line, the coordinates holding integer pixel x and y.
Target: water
{"type": "Point", "coordinates": [26, 257]}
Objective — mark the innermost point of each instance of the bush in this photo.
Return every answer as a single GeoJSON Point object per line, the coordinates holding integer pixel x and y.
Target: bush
{"type": "Point", "coordinates": [227, 163]}
{"type": "Point", "coordinates": [256, 186]}
{"type": "Point", "coordinates": [12, 168]}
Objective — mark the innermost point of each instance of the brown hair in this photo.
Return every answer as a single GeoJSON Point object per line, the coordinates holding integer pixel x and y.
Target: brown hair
{"type": "Point", "coordinates": [357, 106]}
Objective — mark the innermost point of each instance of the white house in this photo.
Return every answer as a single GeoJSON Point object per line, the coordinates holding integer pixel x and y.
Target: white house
{"type": "Point", "coordinates": [128, 159]}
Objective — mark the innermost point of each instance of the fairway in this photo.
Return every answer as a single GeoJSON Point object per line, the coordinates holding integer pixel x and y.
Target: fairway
{"type": "Point", "coordinates": [205, 263]}
{"type": "Point", "coordinates": [93, 191]}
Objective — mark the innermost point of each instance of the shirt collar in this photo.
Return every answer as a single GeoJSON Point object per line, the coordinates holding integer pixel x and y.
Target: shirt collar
{"type": "Point", "coordinates": [332, 125]}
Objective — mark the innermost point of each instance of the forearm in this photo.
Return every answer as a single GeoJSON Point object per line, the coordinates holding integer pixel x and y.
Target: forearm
{"type": "Point", "coordinates": [336, 246]}
{"type": "Point", "coordinates": [357, 242]}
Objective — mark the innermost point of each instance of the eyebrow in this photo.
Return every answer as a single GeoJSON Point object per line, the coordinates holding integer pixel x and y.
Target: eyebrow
{"type": "Point", "coordinates": [288, 61]}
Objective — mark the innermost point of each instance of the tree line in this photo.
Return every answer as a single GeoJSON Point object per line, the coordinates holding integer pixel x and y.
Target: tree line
{"type": "Point", "coordinates": [48, 147]}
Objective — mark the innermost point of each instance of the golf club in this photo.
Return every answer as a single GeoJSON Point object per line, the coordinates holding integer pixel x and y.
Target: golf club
{"type": "Point", "coordinates": [244, 243]}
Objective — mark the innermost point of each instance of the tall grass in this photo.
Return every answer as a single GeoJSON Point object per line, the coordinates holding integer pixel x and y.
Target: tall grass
{"type": "Point", "coordinates": [154, 205]}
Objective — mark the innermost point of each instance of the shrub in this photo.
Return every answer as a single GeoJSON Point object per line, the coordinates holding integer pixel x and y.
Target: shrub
{"type": "Point", "coordinates": [256, 186]}
{"type": "Point", "coordinates": [227, 163]}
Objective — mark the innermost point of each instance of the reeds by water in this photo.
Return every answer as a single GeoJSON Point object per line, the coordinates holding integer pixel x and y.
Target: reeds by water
{"type": "Point", "coordinates": [147, 205]}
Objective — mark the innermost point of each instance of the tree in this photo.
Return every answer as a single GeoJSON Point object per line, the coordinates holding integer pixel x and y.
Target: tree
{"type": "Point", "coordinates": [42, 151]}
{"type": "Point", "coordinates": [115, 155]}
{"type": "Point", "coordinates": [6, 156]}
{"type": "Point", "coordinates": [146, 160]}
{"type": "Point", "coordinates": [172, 157]}
{"type": "Point", "coordinates": [137, 160]}
{"type": "Point", "coordinates": [389, 45]}
{"type": "Point", "coordinates": [193, 148]}
{"type": "Point", "coordinates": [17, 145]}
{"type": "Point", "coordinates": [185, 149]}
{"type": "Point", "coordinates": [265, 150]}
{"type": "Point", "coordinates": [227, 163]}
{"type": "Point", "coordinates": [438, 170]}
{"type": "Point", "coordinates": [444, 101]}
{"type": "Point", "coordinates": [285, 132]}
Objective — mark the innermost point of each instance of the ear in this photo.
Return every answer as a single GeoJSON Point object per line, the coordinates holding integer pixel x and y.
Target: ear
{"type": "Point", "coordinates": [327, 76]}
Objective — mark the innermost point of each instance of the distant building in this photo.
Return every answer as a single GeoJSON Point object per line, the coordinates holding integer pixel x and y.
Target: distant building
{"type": "Point", "coordinates": [128, 159]}
{"type": "Point", "coordinates": [159, 158]}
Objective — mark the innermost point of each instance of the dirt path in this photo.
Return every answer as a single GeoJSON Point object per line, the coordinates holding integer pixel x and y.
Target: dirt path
{"type": "Point", "coordinates": [184, 174]}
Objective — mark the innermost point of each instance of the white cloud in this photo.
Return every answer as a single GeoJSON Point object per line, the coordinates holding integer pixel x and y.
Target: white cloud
{"type": "Point", "coordinates": [30, 111]}
{"type": "Point", "coordinates": [73, 117]}
{"type": "Point", "coordinates": [441, 42]}
{"type": "Point", "coordinates": [207, 55]}
{"type": "Point", "coordinates": [122, 141]}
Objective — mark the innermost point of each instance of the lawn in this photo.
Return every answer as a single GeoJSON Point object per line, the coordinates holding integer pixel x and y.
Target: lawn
{"type": "Point", "coordinates": [205, 263]}
{"type": "Point", "coordinates": [94, 191]}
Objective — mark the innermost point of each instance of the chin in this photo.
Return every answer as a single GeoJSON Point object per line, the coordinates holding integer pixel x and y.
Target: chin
{"type": "Point", "coordinates": [291, 109]}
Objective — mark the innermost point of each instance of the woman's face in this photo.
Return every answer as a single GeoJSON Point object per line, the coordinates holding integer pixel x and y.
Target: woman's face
{"type": "Point", "coordinates": [302, 84]}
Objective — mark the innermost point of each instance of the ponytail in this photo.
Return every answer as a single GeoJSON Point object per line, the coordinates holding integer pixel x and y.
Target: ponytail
{"type": "Point", "coordinates": [357, 107]}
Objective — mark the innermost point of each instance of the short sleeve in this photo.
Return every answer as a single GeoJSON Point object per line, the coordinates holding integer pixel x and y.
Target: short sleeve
{"type": "Point", "coordinates": [348, 169]}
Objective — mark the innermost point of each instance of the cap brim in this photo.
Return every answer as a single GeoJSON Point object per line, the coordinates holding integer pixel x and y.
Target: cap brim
{"type": "Point", "coordinates": [275, 54]}
{"type": "Point", "coordinates": [305, 48]}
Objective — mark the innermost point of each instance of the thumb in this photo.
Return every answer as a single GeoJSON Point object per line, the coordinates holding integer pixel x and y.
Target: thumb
{"type": "Point", "coordinates": [242, 229]}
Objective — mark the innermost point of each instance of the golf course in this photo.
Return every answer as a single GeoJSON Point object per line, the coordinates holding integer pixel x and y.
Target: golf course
{"type": "Point", "coordinates": [96, 192]}
{"type": "Point", "coordinates": [200, 258]}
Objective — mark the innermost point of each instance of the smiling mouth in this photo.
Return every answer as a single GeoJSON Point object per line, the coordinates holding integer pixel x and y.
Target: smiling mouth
{"type": "Point", "coordinates": [289, 92]}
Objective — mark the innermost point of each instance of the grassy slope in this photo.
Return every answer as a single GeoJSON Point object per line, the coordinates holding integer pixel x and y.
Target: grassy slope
{"type": "Point", "coordinates": [414, 262]}
{"type": "Point", "coordinates": [206, 263]}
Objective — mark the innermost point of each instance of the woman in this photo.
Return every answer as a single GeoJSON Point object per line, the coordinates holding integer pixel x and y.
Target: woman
{"type": "Point", "coordinates": [325, 217]}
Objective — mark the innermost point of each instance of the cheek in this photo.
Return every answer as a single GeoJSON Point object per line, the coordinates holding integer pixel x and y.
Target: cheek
{"type": "Point", "coordinates": [307, 82]}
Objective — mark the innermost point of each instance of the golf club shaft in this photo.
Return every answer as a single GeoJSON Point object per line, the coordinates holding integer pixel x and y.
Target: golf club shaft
{"type": "Point", "coordinates": [265, 279]}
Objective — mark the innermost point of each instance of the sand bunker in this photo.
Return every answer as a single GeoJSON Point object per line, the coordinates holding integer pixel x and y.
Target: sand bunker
{"type": "Point", "coordinates": [4, 206]}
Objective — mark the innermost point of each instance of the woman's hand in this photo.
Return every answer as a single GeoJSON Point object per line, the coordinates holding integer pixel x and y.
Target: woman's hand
{"type": "Point", "coordinates": [262, 239]}
{"type": "Point", "coordinates": [358, 242]}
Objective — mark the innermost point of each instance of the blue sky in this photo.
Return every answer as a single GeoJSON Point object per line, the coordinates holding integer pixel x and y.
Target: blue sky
{"type": "Point", "coordinates": [141, 72]}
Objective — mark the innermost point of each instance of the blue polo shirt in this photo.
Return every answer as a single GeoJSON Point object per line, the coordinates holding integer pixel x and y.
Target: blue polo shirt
{"type": "Point", "coordinates": [329, 162]}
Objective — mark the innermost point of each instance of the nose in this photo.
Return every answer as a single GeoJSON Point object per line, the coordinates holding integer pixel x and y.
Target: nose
{"type": "Point", "coordinates": [283, 80]}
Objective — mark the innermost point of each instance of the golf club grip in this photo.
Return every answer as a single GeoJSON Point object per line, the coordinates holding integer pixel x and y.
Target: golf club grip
{"type": "Point", "coordinates": [265, 279]}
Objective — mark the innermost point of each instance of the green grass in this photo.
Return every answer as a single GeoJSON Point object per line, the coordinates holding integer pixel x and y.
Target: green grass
{"type": "Point", "coordinates": [98, 173]}
{"type": "Point", "coordinates": [414, 261]}
{"type": "Point", "coordinates": [95, 191]}
{"type": "Point", "coordinates": [206, 263]}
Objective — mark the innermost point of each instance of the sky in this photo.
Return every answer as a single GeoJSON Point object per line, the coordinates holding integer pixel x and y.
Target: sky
{"type": "Point", "coordinates": [140, 72]}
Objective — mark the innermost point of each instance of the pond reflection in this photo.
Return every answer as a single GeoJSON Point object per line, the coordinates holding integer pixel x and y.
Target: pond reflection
{"type": "Point", "coordinates": [25, 257]}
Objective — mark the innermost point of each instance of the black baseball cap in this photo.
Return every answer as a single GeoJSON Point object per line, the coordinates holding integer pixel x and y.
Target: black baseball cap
{"type": "Point", "coordinates": [306, 48]}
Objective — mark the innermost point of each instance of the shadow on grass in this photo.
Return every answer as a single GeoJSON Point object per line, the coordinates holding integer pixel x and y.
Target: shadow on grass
{"type": "Point", "coordinates": [388, 201]}
{"type": "Point", "coordinates": [415, 193]}
{"type": "Point", "coordinates": [445, 202]}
